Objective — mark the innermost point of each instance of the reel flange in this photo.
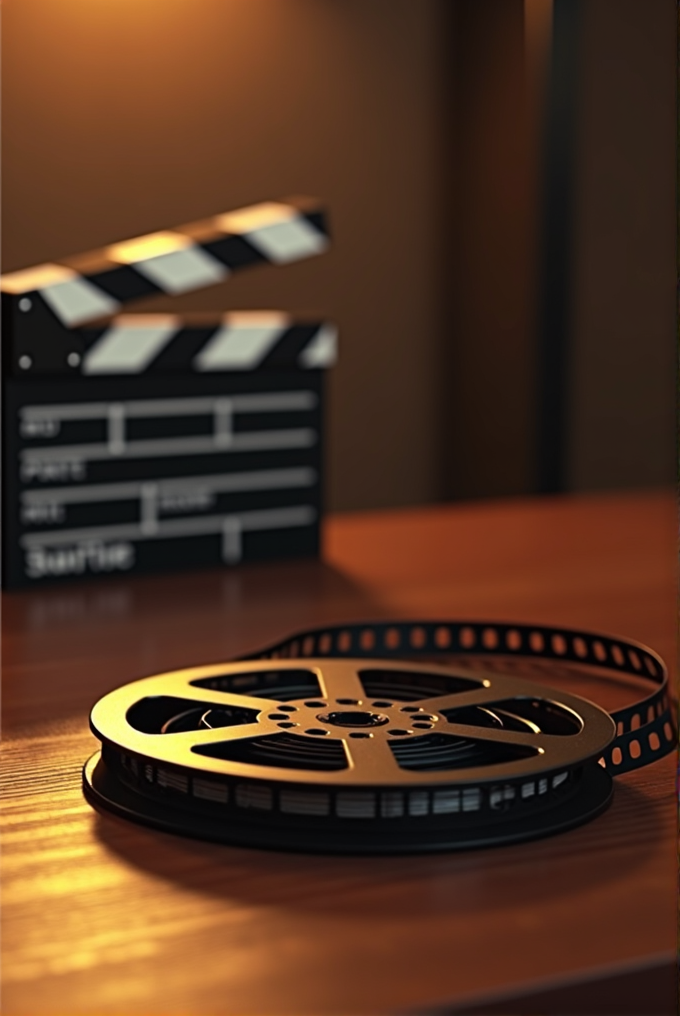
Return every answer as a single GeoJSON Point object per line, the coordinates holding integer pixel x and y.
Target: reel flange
{"type": "Point", "coordinates": [349, 755]}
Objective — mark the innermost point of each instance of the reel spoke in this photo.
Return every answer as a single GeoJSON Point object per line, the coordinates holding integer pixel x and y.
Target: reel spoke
{"type": "Point", "coordinates": [526, 739]}
{"type": "Point", "coordinates": [230, 698]}
{"type": "Point", "coordinates": [186, 739]}
{"type": "Point", "coordinates": [340, 680]}
{"type": "Point", "coordinates": [217, 697]}
{"type": "Point", "coordinates": [372, 757]}
{"type": "Point", "coordinates": [459, 700]}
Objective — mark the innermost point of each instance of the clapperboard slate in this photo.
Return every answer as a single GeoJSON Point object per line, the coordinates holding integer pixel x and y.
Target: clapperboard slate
{"type": "Point", "coordinates": [135, 443]}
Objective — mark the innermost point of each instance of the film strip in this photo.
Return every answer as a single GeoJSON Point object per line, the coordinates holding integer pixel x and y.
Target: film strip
{"type": "Point", "coordinates": [360, 739]}
{"type": "Point", "coordinates": [645, 730]}
{"type": "Point", "coordinates": [149, 442]}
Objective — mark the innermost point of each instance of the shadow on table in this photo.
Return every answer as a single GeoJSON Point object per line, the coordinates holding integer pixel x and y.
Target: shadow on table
{"type": "Point", "coordinates": [606, 850]}
{"type": "Point", "coordinates": [645, 990]}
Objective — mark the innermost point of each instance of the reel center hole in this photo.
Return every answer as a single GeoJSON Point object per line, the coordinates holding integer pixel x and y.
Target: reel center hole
{"type": "Point", "coordinates": [353, 718]}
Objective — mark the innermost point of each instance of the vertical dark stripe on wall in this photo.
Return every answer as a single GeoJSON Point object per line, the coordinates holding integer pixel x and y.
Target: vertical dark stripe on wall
{"type": "Point", "coordinates": [488, 254]}
{"type": "Point", "coordinates": [559, 161]}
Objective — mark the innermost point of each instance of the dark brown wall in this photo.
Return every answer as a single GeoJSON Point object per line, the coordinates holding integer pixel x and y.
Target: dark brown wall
{"type": "Point", "coordinates": [489, 350]}
{"type": "Point", "coordinates": [135, 115]}
{"type": "Point", "coordinates": [622, 384]}
{"type": "Point", "coordinates": [619, 375]}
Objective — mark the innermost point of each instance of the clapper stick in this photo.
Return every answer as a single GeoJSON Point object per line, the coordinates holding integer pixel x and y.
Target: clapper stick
{"type": "Point", "coordinates": [170, 343]}
{"type": "Point", "coordinates": [44, 306]}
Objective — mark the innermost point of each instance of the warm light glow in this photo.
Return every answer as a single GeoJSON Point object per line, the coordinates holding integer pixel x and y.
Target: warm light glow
{"type": "Point", "coordinates": [247, 219]}
{"type": "Point", "coordinates": [257, 319]}
{"type": "Point", "coordinates": [38, 277]}
{"type": "Point", "coordinates": [144, 247]}
{"type": "Point", "coordinates": [147, 321]}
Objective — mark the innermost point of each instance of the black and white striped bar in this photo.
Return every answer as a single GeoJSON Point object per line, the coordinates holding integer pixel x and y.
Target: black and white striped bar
{"type": "Point", "coordinates": [243, 341]}
{"type": "Point", "coordinates": [44, 306]}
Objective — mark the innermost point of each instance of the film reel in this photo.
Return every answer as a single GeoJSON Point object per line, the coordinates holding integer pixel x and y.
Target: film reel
{"type": "Point", "coordinates": [349, 755]}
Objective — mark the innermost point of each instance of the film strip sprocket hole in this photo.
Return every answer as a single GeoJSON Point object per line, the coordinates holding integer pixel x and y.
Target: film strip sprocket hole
{"type": "Point", "coordinates": [645, 730]}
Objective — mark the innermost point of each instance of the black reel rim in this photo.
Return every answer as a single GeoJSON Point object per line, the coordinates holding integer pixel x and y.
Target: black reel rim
{"type": "Point", "coordinates": [108, 794]}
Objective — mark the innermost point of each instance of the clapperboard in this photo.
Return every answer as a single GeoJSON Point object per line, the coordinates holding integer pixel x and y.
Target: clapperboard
{"type": "Point", "coordinates": [150, 442]}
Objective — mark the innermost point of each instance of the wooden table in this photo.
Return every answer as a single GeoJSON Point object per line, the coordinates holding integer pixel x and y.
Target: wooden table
{"type": "Point", "coordinates": [106, 917]}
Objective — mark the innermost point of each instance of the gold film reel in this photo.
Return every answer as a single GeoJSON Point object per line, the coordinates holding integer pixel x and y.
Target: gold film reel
{"type": "Point", "coordinates": [349, 755]}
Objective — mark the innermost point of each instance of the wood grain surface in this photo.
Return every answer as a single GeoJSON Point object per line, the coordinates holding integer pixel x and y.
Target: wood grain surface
{"type": "Point", "coordinates": [105, 917]}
